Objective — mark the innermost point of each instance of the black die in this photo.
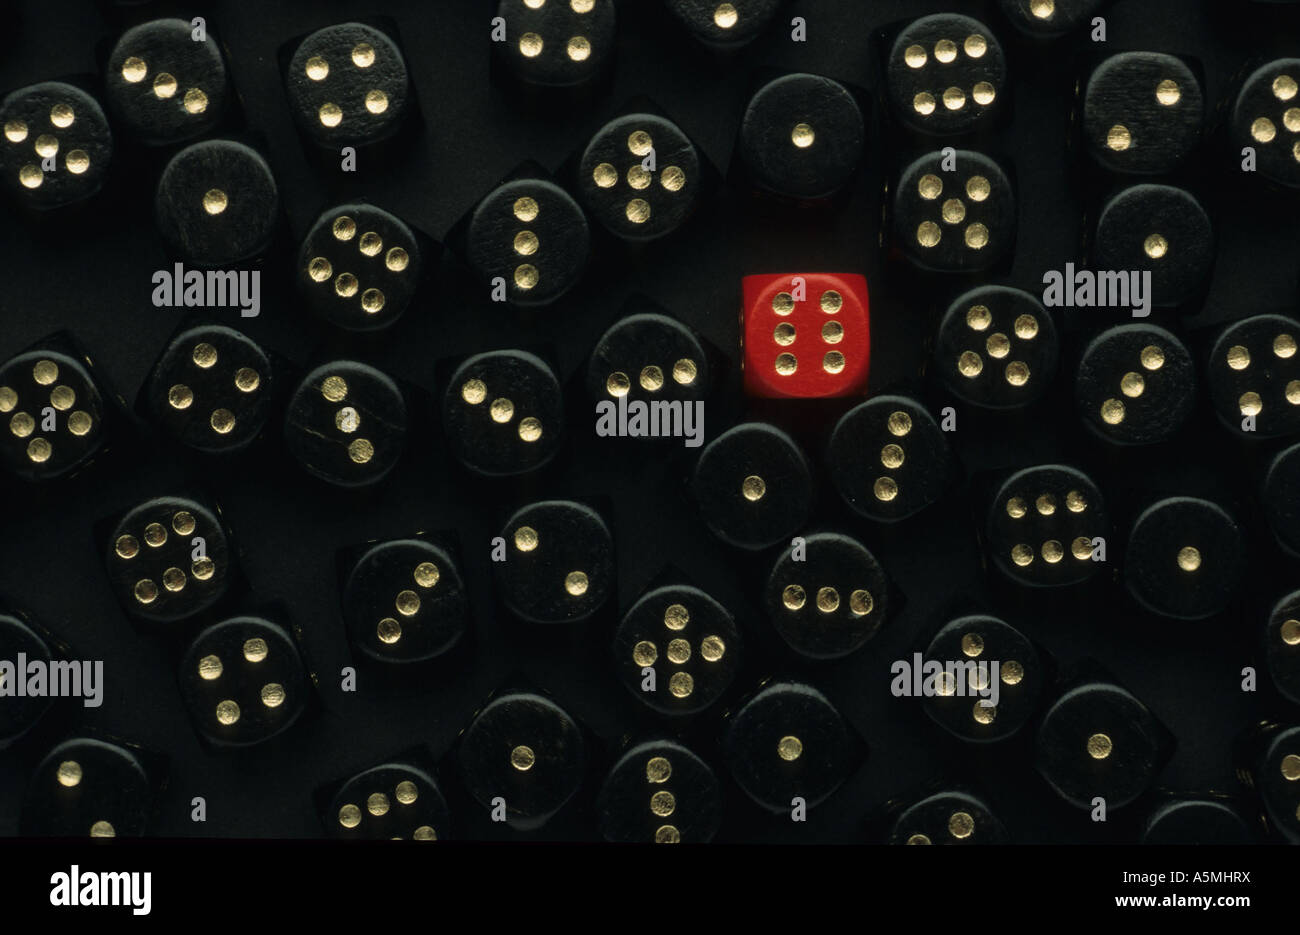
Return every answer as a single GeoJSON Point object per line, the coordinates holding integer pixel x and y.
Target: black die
{"type": "Point", "coordinates": [1136, 385]}
{"type": "Point", "coordinates": [504, 413]}
{"type": "Point", "coordinates": [53, 414]}
{"type": "Point", "coordinates": [559, 565]}
{"type": "Point", "coordinates": [997, 348]}
{"type": "Point", "coordinates": [57, 145]}
{"type": "Point", "coordinates": [660, 792]}
{"type": "Point", "coordinates": [952, 222]}
{"type": "Point", "coordinates": [1042, 525]}
{"type": "Point", "coordinates": [87, 787]}
{"type": "Point", "coordinates": [946, 74]}
{"type": "Point", "coordinates": [393, 801]}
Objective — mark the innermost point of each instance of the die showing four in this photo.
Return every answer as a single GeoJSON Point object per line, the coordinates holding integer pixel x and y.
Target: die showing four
{"type": "Point", "coordinates": [57, 145]}
{"type": "Point", "coordinates": [806, 335]}
{"type": "Point", "coordinates": [559, 43]}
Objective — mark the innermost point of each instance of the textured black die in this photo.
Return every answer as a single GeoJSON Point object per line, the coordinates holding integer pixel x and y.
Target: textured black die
{"type": "Point", "coordinates": [724, 24]}
{"type": "Point", "coordinates": [640, 177]}
{"type": "Point", "coordinates": [346, 423]}
{"type": "Point", "coordinates": [1185, 558]}
{"type": "Point", "coordinates": [559, 565]}
{"type": "Point", "coordinates": [888, 458]}
{"type": "Point", "coordinates": [393, 801]}
{"type": "Point", "coordinates": [1282, 646]}
{"type": "Point", "coordinates": [1098, 740]}
{"type": "Point", "coordinates": [162, 85]}
{"type": "Point", "coordinates": [1266, 117]}
{"type": "Point", "coordinates": [52, 415]}
{"type": "Point", "coordinates": [1136, 385]}
{"type": "Point", "coordinates": [997, 348]}
{"type": "Point", "coordinates": [159, 568]}
{"type": "Point", "coordinates": [243, 682]}
{"type": "Point", "coordinates": [952, 222]}
{"type": "Point", "coordinates": [982, 638]}
{"type": "Point", "coordinates": [1048, 19]}
{"type": "Point", "coordinates": [503, 412]}
{"type": "Point", "coordinates": [832, 601]}
{"type": "Point", "coordinates": [530, 235]}
{"type": "Point", "coordinates": [1196, 821]}
{"type": "Point", "coordinates": [1280, 498]}
{"type": "Point", "coordinates": [359, 267]}
{"type": "Point", "coordinates": [404, 601]}
{"type": "Point", "coordinates": [1143, 112]}
{"type": "Point", "coordinates": [788, 740]}
{"type": "Point", "coordinates": [946, 74]}
{"type": "Point", "coordinates": [211, 389]}
{"type": "Point", "coordinates": [348, 85]}
{"type": "Point", "coordinates": [88, 788]}
{"type": "Point", "coordinates": [217, 203]}
{"type": "Point", "coordinates": [19, 714]}
{"type": "Point", "coordinates": [57, 145]}
{"type": "Point", "coordinates": [1274, 773]}
{"type": "Point", "coordinates": [659, 792]}
{"type": "Point", "coordinates": [1160, 229]}
{"type": "Point", "coordinates": [802, 136]}
{"type": "Point", "coordinates": [948, 818]}
{"type": "Point", "coordinates": [648, 357]}
{"type": "Point", "coordinates": [753, 486]}
{"type": "Point", "coordinates": [1253, 371]}
{"type": "Point", "coordinates": [1042, 523]}
{"type": "Point", "coordinates": [556, 43]}
{"type": "Point", "coordinates": [526, 749]}
{"type": "Point", "coordinates": [688, 639]}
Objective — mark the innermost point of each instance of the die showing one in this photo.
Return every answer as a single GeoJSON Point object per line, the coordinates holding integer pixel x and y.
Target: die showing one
{"type": "Point", "coordinates": [661, 792]}
{"type": "Point", "coordinates": [1161, 230]}
{"type": "Point", "coordinates": [806, 335]}
{"type": "Point", "coordinates": [724, 25]}
{"type": "Point", "coordinates": [556, 44]}
{"type": "Point", "coordinates": [386, 802]}
{"type": "Point", "coordinates": [997, 348]}
{"type": "Point", "coordinates": [954, 222]}
{"type": "Point", "coordinates": [1266, 117]}
{"type": "Point", "coordinates": [53, 412]}
{"type": "Point", "coordinates": [86, 787]}
{"type": "Point", "coordinates": [57, 145]}
{"type": "Point", "coordinates": [1143, 113]}
{"type": "Point", "coordinates": [946, 74]}
{"type": "Point", "coordinates": [948, 818]}
{"type": "Point", "coordinates": [1185, 558]}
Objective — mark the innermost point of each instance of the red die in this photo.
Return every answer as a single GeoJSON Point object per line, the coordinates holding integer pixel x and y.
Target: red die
{"type": "Point", "coordinates": [806, 335]}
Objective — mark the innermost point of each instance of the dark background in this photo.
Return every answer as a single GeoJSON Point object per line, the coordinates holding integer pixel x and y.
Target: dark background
{"type": "Point", "coordinates": [91, 274]}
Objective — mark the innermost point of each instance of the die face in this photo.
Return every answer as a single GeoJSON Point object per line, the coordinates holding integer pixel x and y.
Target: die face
{"type": "Point", "coordinates": [786, 741]}
{"type": "Point", "coordinates": [1266, 117]}
{"type": "Point", "coordinates": [648, 357]}
{"type": "Point", "coordinates": [1143, 113]}
{"type": "Point", "coordinates": [212, 389]}
{"type": "Point", "coordinates": [57, 145]}
{"type": "Point", "coordinates": [1196, 821]}
{"type": "Point", "coordinates": [802, 136]}
{"type": "Point", "coordinates": [1048, 19]}
{"type": "Point", "coordinates": [948, 818]}
{"type": "Point", "coordinates": [831, 602]}
{"type": "Point", "coordinates": [346, 423]}
{"type": "Point", "coordinates": [53, 415]}
{"type": "Point", "coordinates": [88, 788]}
{"type": "Point", "coordinates": [1136, 385]}
{"type": "Point", "coordinates": [1185, 558]}
{"type": "Point", "coordinates": [1042, 524]}
{"type": "Point", "coordinates": [243, 682]}
{"type": "Point", "coordinates": [559, 566]}
{"type": "Point", "coordinates": [168, 559]}
{"type": "Point", "coordinates": [560, 43]}
{"type": "Point", "coordinates": [1099, 740]}
{"type": "Point", "coordinates": [953, 222]}
{"type": "Point", "coordinates": [388, 802]}
{"type": "Point", "coordinates": [1158, 229]}
{"type": "Point", "coordinates": [688, 639]}
{"type": "Point", "coordinates": [359, 267]}
{"type": "Point", "coordinates": [504, 413]}
{"type": "Point", "coordinates": [348, 85]}
{"type": "Point", "coordinates": [981, 638]}
{"type": "Point", "coordinates": [724, 24]}
{"type": "Point", "coordinates": [404, 601]}
{"type": "Point", "coordinates": [531, 234]}
{"type": "Point", "coordinates": [659, 792]}
{"type": "Point", "coordinates": [640, 177]}
{"type": "Point", "coordinates": [1275, 776]}
{"type": "Point", "coordinates": [1254, 371]}
{"type": "Point", "coordinates": [217, 203]}
{"type": "Point", "coordinates": [889, 459]}
{"type": "Point", "coordinates": [164, 86]}
{"type": "Point", "coordinates": [997, 348]}
{"type": "Point", "coordinates": [19, 714]}
{"type": "Point", "coordinates": [526, 749]}
{"type": "Point", "coordinates": [753, 486]}
{"type": "Point", "coordinates": [946, 74]}
{"type": "Point", "coordinates": [806, 336]}
{"type": "Point", "coordinates": [1281, 498]}
{"type": "Point", "coordinates": [1282, 646]}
